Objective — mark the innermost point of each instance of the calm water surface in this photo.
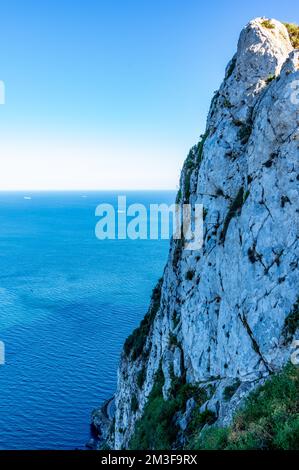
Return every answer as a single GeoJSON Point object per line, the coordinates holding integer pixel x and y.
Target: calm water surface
{"type": "Point", "coordinates": [67, 303]}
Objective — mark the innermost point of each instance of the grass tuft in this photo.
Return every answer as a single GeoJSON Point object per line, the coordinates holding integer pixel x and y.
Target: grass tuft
{"type": "Point", "coordinates": [268, 421]}
{"type": "Point", "coordinates": [293, 30]}
{"type": "Point", "coordinates": [135, 343]}
{"type": "Point", "coordinates": [268, 24]}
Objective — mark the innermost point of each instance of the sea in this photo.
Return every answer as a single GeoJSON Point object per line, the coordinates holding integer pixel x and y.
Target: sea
{"type": "Point", "coordinates": [68, 300]}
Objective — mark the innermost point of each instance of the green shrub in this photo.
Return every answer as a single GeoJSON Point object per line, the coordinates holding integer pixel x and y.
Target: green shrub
{"type": "Point", "coordinates": [269, 419]}
{"type": "Point", "coordinates": [182, 392]}
{"type": "Point", "coordinates": [197, 422]}
{"type": "Point", "coordinates": [212, 439]}
{"type": "Point", "coordinates": [135, 343]}
{"type": "Point", "coordinates": [187, 186]}
{"type": "Point", "coordinates": [293, 30]}
{"type": "Point", "coordinates": [231, 67]}
{"type": "Point", "coordinates": [192, 162]}
{"type": "Point", "coordinates": [199, 147]}
{"type": "Point", "coordinates": [270, 78]}
{"type": "Point", "coordinates": [267, 24]}
{"type": "Point", "coordinates": [178, 196]}
{"type": "Point", "coordinates": [230, 390]}
{"type": "Point", "coordinates": [157, 429]}
{"type": "Point", "coordinates": [189, 166]}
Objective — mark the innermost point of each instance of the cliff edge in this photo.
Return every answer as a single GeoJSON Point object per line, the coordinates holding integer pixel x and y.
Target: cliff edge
{"type": "Point", "coordinates": [222, 319]}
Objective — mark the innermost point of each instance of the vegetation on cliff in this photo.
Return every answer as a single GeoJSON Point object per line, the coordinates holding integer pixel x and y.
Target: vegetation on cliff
{"type": "Point", "coordinates": [268, 420]}
{"type": "Point", "coordinates": [135, 343]}
{"type": "Point", "coordinates": [158, 427]}
{"type": "Point", "coordinates": [293, 30]}
{"type": "Point", "coordinates": [191, 163]}
{"type": "Point", "coordinates": [208, 306]}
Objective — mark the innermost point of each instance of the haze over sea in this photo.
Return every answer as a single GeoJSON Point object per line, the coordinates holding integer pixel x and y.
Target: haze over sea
{"type": "Point", "coordinates": [67, 303]}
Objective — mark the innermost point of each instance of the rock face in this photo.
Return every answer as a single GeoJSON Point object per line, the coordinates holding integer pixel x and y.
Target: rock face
{"type": "Point", "coordinates": [220, 314]}
{"type": "Point", "coordinates": [102, 426]}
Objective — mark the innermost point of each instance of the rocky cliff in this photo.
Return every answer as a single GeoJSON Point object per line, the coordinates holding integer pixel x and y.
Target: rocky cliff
{"type": "Point", "coordinates": [222, 318]}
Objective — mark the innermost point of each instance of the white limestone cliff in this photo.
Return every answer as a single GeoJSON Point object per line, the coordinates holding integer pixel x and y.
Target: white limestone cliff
{"type": "Point", "coordinates": [222, 311]}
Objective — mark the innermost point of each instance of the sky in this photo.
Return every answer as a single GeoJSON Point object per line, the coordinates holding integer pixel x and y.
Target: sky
{"type": "Point", "coordinates": [112, 94]}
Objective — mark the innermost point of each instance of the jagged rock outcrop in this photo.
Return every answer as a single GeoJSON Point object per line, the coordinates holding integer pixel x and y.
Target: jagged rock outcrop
{"type": "Point", "coordinates": [219, 317]}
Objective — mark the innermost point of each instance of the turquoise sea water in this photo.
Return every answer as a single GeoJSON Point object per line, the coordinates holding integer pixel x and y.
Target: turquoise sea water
{"type": "Point", "coordinates": [67, 303]}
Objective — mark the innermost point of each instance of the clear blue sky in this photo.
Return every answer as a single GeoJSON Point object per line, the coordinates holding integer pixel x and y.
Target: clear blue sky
{"type": "Point", "coordinates": [111, 94]}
